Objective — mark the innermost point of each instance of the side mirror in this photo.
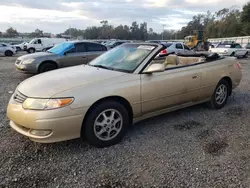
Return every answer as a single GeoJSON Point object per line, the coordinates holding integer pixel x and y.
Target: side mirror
{"type": "Point", "coordinates": [65, 53]}
{"type": "Point", "coordinates": [155, 68]}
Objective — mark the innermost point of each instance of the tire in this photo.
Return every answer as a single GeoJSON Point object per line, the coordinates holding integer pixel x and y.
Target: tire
{"type": "Point", "coordinates": [8, 53]}
{"type": "Point", "coordinates": [45, 67]}
{"type": "Point", "coordinates": [218, 100]}
{"type": "Point", "coordinates": [111, 133]}
{"type": "Point", "coordinates": [246, 55]}
{"type": "Point", "coordinates": [31, 50]}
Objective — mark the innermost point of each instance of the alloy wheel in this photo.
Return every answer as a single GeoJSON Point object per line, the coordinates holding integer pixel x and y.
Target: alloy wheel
{"type": "Point", "coordinates": [221, 94]}
{"type": "Point", "coordinates": [108, 124]}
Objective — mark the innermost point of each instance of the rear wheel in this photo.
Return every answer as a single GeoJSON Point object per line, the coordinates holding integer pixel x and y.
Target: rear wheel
{"type": "Point", "coordinates": [220, 95]}
{"type": "Point", "coordinates": [31, 51]}
{"type": "Point", "coordinates": [8, 53]}
{"type": "Point", "coordinates": [47, 67]}
{"type": "Point", "coordinates": [106, 124]}
{"type": "Point", "coordinates": [232, 54]}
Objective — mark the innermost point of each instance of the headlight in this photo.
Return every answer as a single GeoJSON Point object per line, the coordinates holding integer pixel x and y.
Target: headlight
{"type": "Point", "coordinates": [28, 61]}
{"type": "Point", "coordinates": [46, 104]}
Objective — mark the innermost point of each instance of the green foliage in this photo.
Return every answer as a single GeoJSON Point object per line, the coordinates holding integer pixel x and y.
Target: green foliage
{"type": "Point", "coordinates": [36, 33]}
{"type": "Point", "coordinates": [245, 19]}
{"type": "Point", "coordinates": [10, 32]}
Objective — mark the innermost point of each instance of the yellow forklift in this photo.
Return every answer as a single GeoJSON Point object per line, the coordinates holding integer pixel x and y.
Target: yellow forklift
{"type": "Point", "coordinates": [196, 41]}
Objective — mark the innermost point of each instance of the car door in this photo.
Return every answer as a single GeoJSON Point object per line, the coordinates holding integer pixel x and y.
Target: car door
{"type": "Point", "coordinates": [173, 87]}
{"type": "Point", "coordinates": [187, 50]}
{"type": "Point", "coordinates": [75, 56]}
{"type": "Point", "coordinates": [39, 45]}
{"type": "Point", "coordinates": [179, 48]}
{"type": "Point", "coordinates": [93, 50]}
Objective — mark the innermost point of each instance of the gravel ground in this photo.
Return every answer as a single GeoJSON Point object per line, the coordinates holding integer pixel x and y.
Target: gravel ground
{"type": "Point", "coordinates": [193, 147]}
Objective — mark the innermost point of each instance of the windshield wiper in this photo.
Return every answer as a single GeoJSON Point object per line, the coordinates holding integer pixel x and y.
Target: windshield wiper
{"type": "Point", "coordinates": [103, 67]}
{"type": "Point", "coordinates": [110, 68]}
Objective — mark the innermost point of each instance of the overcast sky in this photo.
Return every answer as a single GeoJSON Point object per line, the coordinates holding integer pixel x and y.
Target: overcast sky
{"type": "Point", "coordinates": [56, 16]}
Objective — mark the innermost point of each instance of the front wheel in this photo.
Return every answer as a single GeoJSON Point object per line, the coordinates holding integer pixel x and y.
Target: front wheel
{"type": "Point", "coordinates": [220, 95]}
{"type": "Point", "coordinates": [8, 53]}
{"type": "Point", "coordinates": [106, 124]}
{"type": "Point", "coordinates": [45, 67]}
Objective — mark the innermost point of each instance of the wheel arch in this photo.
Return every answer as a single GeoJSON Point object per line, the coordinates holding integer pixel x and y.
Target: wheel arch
{"type": "Point", "coordinates": [47, 61]}
{"type": "Point", "coordinates": [8, 50]}
{"type": "Point", "coordinates": [118, 99]}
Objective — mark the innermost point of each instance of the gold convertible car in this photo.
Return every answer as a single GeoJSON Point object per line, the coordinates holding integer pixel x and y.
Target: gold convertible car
{"type": "Point", "coordinates": [100, 100]}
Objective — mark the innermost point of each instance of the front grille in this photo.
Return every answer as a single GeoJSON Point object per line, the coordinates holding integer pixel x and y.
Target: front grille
{"type": "Point", "coordinates": [19, 97]}
{"type": "Point", "coordinates": [18, 62]}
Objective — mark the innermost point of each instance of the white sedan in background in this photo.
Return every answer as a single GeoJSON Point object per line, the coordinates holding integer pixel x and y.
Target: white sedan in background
{"type": "Point", "coordinates": [233, 49]}
{"type": "Point", "coordinates": [7, 50]}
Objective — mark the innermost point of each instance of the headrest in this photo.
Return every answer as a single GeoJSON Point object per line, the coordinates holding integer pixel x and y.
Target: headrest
{"type": "Point", "coordinates": [171, 60]}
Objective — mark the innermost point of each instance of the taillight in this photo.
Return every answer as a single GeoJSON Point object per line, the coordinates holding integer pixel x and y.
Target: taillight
{"type": "Point", "coordinates": [164, 52]}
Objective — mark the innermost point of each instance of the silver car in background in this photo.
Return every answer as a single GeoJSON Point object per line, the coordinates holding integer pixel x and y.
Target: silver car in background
{"type": "Point", "coordinates": [62, 55]}
{"type": "Point", "coordinates": [7, 50]}
{"type": "Point", "coordinates": [177, 48]}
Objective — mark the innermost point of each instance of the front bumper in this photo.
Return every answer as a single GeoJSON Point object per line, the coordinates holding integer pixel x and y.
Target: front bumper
{"type": "Point", "coordinates": [62, 124]}
{"type": "Point", "coordinates": [29, 68]}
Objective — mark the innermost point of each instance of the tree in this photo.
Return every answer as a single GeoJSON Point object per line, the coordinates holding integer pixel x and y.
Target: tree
{"type": "Point", "coordinates": [245, 19]}
{"type": "Point", "coordinates": [73, 32]}
{"type": "Point", "coordinates": [11, 32]}
{"type": "Point", "coordinates": [37, 33]}
{"type": "Point", "coordinates": [135, 31]}
{"type": "Point", "coordinates": [58, 36]}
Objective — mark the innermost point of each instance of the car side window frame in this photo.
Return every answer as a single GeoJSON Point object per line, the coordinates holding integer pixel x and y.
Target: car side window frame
{"type": "Point", "coordinates": [178, 47]}
{"type": "Point", "coordinates": [71, 51]}
{"type": "Point", "coordinates": [39, 41]}
{"type": "Point", "coordinates": [186, 47]}
{"type": "Point", "coordinates": [82, 45]}
{"type": "Point", "coordinates": [100, 47]}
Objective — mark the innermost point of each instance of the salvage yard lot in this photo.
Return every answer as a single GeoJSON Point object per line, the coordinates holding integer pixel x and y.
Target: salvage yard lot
{"type": "Point", "coordinates": [193, 147]}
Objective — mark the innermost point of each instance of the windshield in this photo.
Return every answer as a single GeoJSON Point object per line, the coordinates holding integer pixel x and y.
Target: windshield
{"type": "Point", "coordinates": [126, 57]}
{"type": "Point", "coordinates": [33, 41]}
{"type": "Point", "coordinates": [61, 48]}
{"type": "Point", "coordinates": [111, 43]}
{"type": "Point", "coordinates": [168, 44]}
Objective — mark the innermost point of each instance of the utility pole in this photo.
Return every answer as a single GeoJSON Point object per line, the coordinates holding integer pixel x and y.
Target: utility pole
{"type": "Point", "coordinates": [163, 28]}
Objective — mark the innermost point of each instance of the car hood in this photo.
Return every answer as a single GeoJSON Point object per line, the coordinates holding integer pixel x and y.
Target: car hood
{"type": "Point", "coordinates": [48, 84]}
{"type": "Point", "coordinates": [37, 55]}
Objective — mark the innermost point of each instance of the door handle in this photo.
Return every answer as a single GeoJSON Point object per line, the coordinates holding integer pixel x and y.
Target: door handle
{"type": "Point", "coordinates": [83, 57]}
{"type": "Point", "coordinates": [195, 76]}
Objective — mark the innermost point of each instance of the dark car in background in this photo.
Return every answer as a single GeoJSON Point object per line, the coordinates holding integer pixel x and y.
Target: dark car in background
{"type": "Point", "coordinates": [113, 44]}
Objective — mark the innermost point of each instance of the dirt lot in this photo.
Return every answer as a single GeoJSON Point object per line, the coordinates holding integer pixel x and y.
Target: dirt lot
{"type": "Point", "coordinates": [194, 147]}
